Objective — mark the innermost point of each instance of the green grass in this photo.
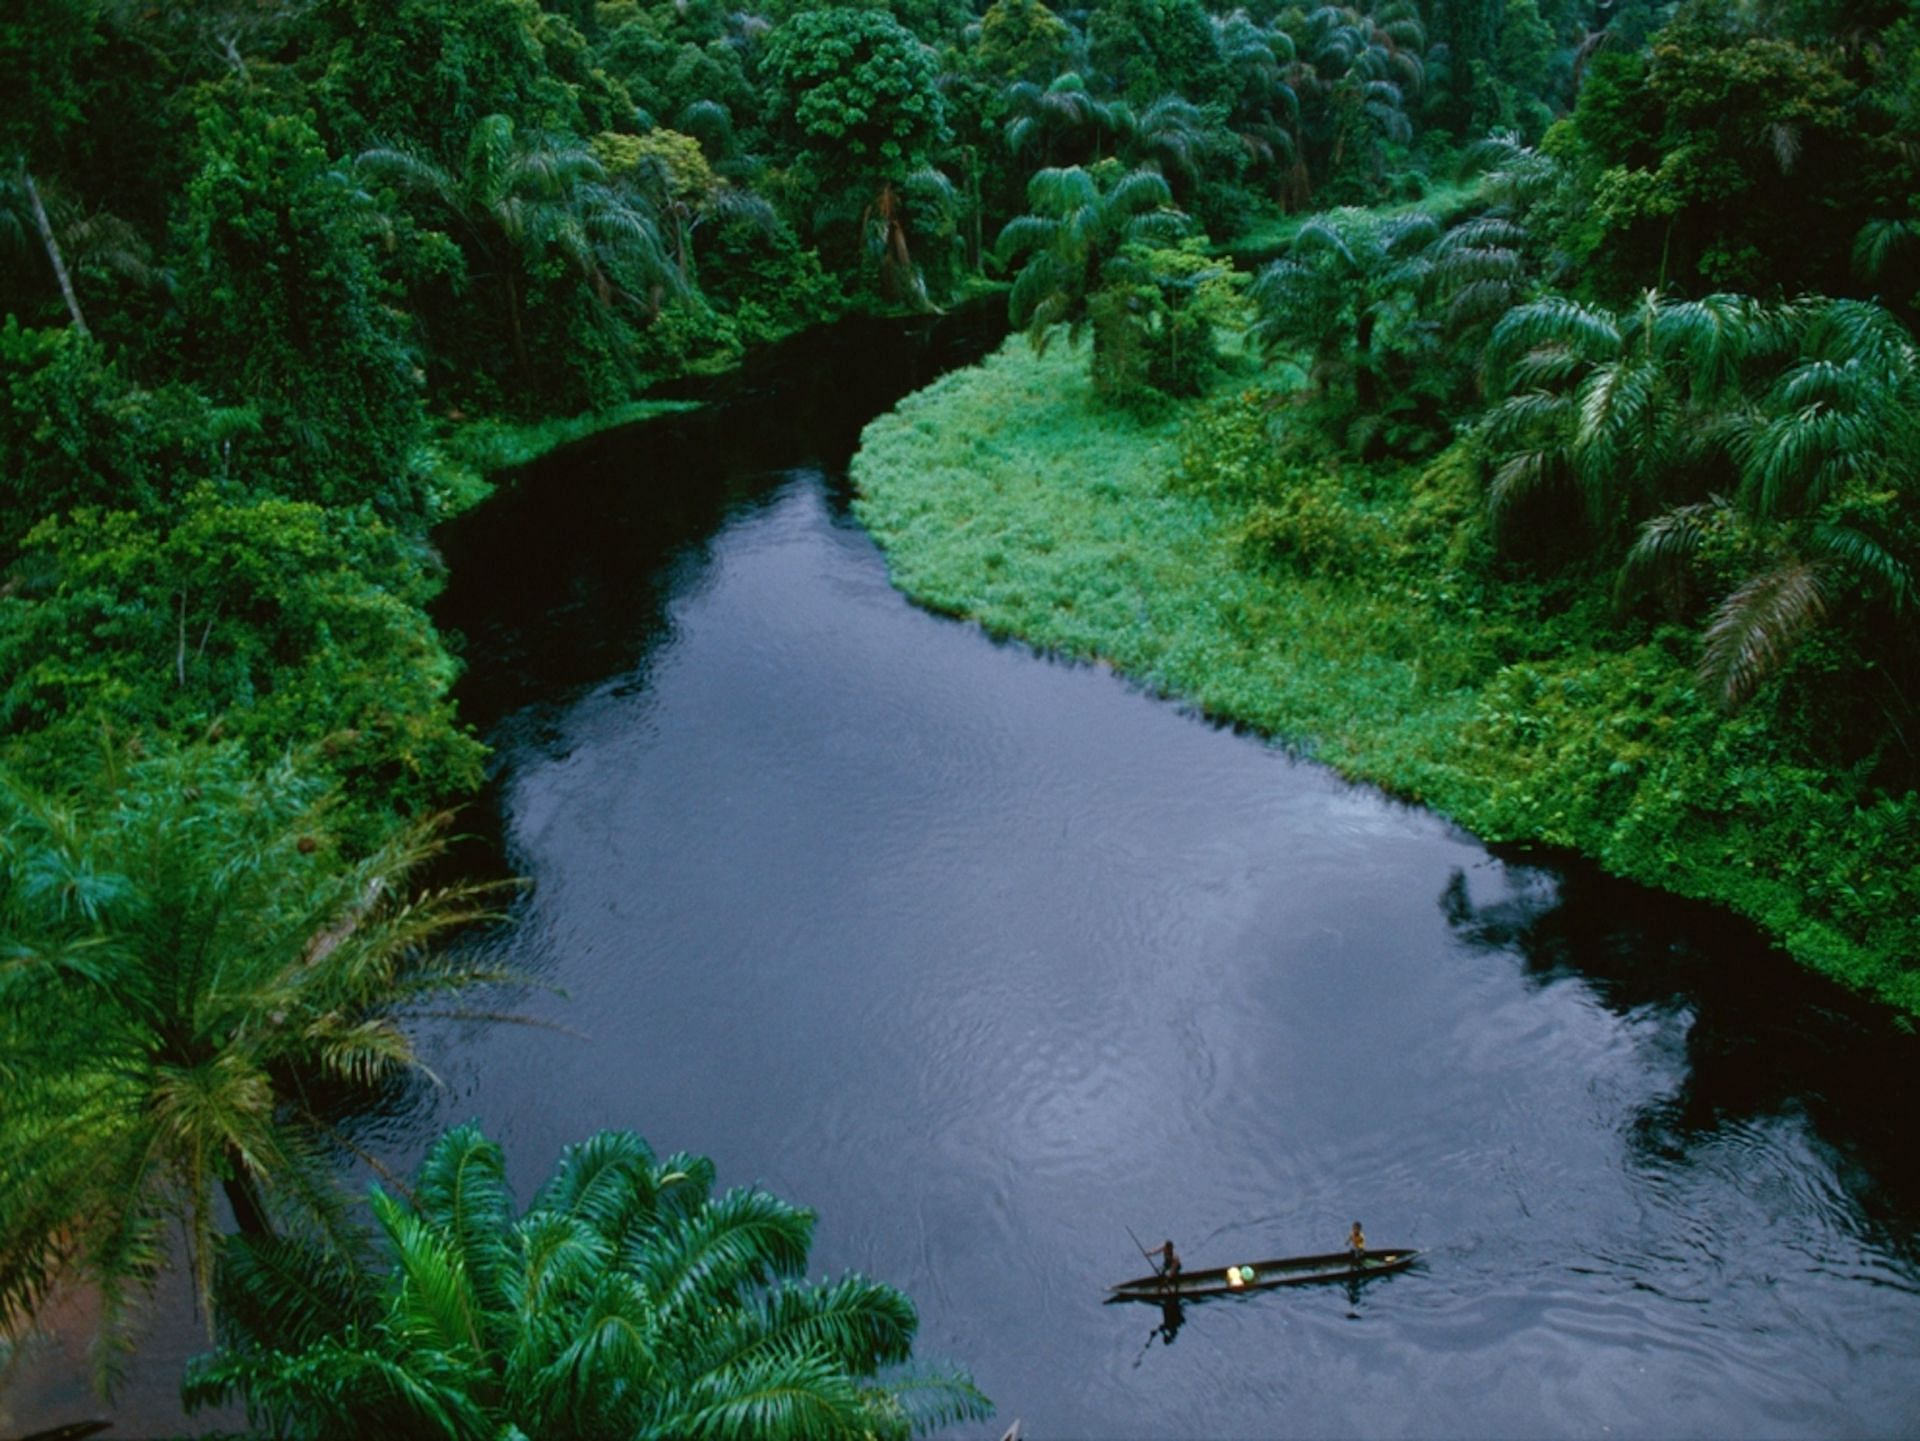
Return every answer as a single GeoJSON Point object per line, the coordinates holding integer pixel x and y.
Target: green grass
{"type": "Point", "coordinates": [491, 444]}
{"type": "Point", "coordinates": [1346, 613]}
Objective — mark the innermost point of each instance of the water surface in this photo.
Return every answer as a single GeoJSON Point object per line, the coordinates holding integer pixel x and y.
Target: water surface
{"type": "Point", "coordinates": [993, 959]}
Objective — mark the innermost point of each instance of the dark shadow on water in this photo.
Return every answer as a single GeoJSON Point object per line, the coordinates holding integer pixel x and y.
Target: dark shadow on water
{"type": "Point", "coordinates": [1760, 1037]}
{"type": "Point", "coordinates": [568, 575]}
{"type": "Point", "coordinates": [564, 577]}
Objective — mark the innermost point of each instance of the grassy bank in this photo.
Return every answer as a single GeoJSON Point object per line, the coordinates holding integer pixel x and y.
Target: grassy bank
{"type": "Point", "coordinates": [1348, 614]}
{"type": "Point", "coordinates": [492, 444]}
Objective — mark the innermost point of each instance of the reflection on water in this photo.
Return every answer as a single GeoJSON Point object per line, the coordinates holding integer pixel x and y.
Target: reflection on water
{"type": "Point", "coordinates": [1760, 1049]}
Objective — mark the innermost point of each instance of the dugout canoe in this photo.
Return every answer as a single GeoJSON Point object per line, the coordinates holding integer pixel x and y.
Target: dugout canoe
{"type": "Point", "coordinates": [1263, 1275]}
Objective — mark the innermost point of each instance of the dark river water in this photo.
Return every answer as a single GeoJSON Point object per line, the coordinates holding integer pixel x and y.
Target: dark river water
{"type": "Point", "coordinates": [992, 959]}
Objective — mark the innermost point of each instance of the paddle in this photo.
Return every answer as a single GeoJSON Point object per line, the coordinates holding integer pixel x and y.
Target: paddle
{"type": "Point", "coordinates": [1166, 1280]}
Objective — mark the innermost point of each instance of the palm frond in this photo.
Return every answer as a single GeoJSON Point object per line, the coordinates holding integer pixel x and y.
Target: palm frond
{"type": "Point", "coordinates": [1483, 233]}
{"type": "Point", "coordinates": [1617, 434]}
{"type": "Point", "coordinates": [284, 1293]}
{"type": "Point", "coordinates": [1587, 332]}
{"type": "Point", "coordinates": [862, 1325]}
{"type": "Point", "coordinates": [1320, 234]}
{"type": "Point", "coordinates": [1714, 336]}
{"type": "Point", "coordinates": [1667, 543]}
{"type": "Point", "coordinates": [1024, 233]}
{"type": "Point", "coordinates": [1522, 474]}
{"type": "Point", "coordinates": [1795, 462]}
{"type": "Point", "coordinates": [1527, 414]}
{"type": "Point", "coordinates": [1477, 300]}
{"type": "Point", "coordinates": [1406, 233]}
{"type": "Point", "coordinates": [435, 1309]}
{"type": "Point", "coordinates": [594, 1180]}
{"type": "Point", "coordinates": [1834, 384]}
{"type": "Point", "coordinates": [1868, 558]}
{"type": "Point", "coordinates": [711, 123]}
{"type": "Point", "coordinates": [1883, 243]}
{"type": "Point", "coordinates": [405, 169]}
{"type": "Point", "coordinates": [490, 149]}
{"type": "Point", "coordinates": [1157, 227]}
{"type": "Point", "coordinates": [1059, 190]}
{"type": "Point", "coordinates": [462, 1190]}
{"type": "Point", "coordinates": [791, 1395]}
{"type": "Point", "coordinates": [1755, 629]}
{"type": "Point", "coordinates": [1545, 366]}
{"type": "Point", "coordinates": [931, 1398]}
{"type": "Point", "coordinates": [1856, 330]}
{"type": "Point", "coordinates": [744, 1237]}
{"type": "Point", "coordinates": [1138, 191]}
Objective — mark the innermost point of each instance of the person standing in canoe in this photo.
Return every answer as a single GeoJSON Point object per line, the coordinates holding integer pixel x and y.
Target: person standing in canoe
{"type": "Point", "coordinates": [1357, 1244]}
{"type": "Point", "coordinates": [1169, 1262]}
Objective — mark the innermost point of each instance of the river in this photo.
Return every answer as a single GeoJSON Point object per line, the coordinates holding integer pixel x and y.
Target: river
{"type": "Point", "coordinates": [995, 961]}
{"type": "Point", "coordinates": [992, 959]}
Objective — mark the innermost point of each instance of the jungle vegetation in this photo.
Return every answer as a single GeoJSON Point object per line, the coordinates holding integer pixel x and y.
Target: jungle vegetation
{"type": "Point", "coordinates": [1548, 364]}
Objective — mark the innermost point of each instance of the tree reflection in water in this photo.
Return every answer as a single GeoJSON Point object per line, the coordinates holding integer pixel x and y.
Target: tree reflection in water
{"type": "Point", "coordinates": [1757, 1038]}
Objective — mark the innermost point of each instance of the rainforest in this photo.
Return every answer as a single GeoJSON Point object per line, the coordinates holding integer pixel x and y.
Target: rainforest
{"type": "Point", "coordinates": [439, 439]}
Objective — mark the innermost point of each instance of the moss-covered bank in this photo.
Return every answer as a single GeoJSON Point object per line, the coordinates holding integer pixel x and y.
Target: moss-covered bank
{"type": "Point", "coordinates": [1347, 615]}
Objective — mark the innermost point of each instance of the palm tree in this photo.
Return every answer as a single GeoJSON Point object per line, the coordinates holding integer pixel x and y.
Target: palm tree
{"type": "Point", "coordinates": [1173, 136]}
{"type": "Point", "coordinates": [1822, 455]}
{"type": "Point", "coordinates": [518, 197]}
{"type": "Point", "coordinates": [671, 171]}
{"type": "Point", "coordinates": [1263, 107]}
{"type": "Point", "coordinates": [22, 194]}
{"type": "Point", "coordinates": [1514, 177]}
{"type": "Point", "coordinates": [1061, 120]}
{"type": "Point", "coordinates": [1772, 440]}
{"type": "Point", "coordinates": [188, 971]}
{"type": "Point", "coordinates": [627, 1300]}
{"type": "Point", "coordinates": [1344, 274]}
{"type": "Point", "coordinates": [1078, 225]}
{"type": "Point", "coordinates": [1633, 411]}
{"type": "Point", "coordinates": [1477, 271]}
{"type": "Point", "coordinates": [926, 201]}
{"type": "Point", "coordinates": [1364, 66]}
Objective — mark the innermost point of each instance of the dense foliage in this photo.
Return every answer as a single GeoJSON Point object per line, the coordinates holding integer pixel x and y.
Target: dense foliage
{"type": "Point", "coordinates": [1543, 371]}
{"type": "Point", "coordinates": [194, 977]}
{"type": "Point", "coordinates": [627, 1300]}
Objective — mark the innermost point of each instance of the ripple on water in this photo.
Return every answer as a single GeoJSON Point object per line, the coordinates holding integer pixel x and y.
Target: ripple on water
{"type": "Point", "coordinates": [992, 959]}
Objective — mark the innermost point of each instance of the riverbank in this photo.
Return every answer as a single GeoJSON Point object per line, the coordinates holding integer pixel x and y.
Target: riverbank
{"type": "Point", "coordinates": [472, 451]}
{"type": "Point", "coordinates": [1347, 618]}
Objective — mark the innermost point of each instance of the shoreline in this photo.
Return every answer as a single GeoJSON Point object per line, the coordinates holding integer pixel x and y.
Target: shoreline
{"type": "Point", "coordinates": [1002, 495]}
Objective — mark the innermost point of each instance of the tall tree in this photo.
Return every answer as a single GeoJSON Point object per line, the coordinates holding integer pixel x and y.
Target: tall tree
{"type": "Point", "coordinates": [858, 100]}
{"type": "Point", "coordinates": [1346, 274]}
{"type": "Point", "coordinates": [42, 64]}
{"type": "Point", "coordinates": [1824, 515]}
{"type": "Point", "coordinates": [1619, 408]}
{"type": "Point", "coordinates": [1061, 122]}
{"type": "Point", "coordinates": [1364, 66]}
{"type": "Point", "coordinates": [519, 198]}
{"type": "Point", "coordinates": [288, 313]}
{"type": "Point", "coordinates": [190, 965]}
{"type": "Point", "coordinates": [1762, 450]}
{"type": "Point", "coordinates": [1079, 222]}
